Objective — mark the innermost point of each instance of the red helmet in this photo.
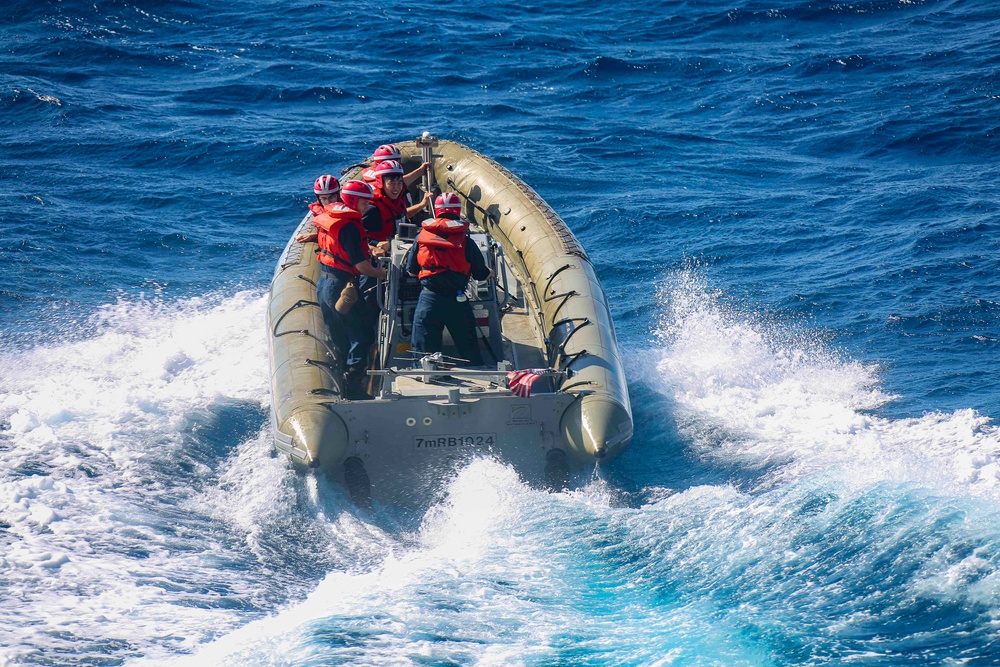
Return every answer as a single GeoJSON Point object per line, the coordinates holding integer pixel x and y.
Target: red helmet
{"type": "Point", "coordinates": [447, 202]}
{"type": "Point", "coordinates": [326, 185]}
{"type": "Point", "coordinates": [387, 152]}
{"type": "Point", "coordinates": [353, 191]}
{"type": "Point", "coordinates": [384, 168]}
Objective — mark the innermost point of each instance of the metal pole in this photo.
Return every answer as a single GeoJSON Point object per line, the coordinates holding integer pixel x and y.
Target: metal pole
{"type": "Point", "coordinates": [427, 144]}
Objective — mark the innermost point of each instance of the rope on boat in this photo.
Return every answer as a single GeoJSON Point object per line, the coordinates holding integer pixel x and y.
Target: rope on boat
{"type": "Point", "coordinates": [569, 242]}
{"type": "Point", "coordinates": [565, 297]}
{"type": "Point", "coordinates": [553, 275]}
{"type": "Point", "coordinates": [331, 370]}
{"type": "Point", "coordinates": [581, 383]}
{"type": "Point", "coordinates": [559, 349]}
{"type": "Point", "coordinates": [298, 304]}
{"type": "Point", "coordinates": [359, 165]}
{"type": "Point", "coordinates": [306, 332]}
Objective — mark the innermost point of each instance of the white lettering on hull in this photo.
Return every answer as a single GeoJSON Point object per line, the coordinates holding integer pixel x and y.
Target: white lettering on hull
{"type": "Point", "coordinates": [437, 442]}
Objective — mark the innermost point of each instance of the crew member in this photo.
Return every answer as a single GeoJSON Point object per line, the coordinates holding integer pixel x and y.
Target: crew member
{"type": "Point", "coordinates": [326, 189]}
{"type": "Point", "coordinates": [344, 258]}
{"type": "Point", "coordinates": [443, 258]}
{"type": "Point", "coordinates": [389, 208]}
{"type": "Point", "coordinates": [390, 152]}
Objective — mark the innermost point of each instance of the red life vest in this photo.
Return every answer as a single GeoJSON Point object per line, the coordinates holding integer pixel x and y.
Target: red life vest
{"type": "Point", "coordinates": [393, 212]}
{"type": "Point", "coordinates": [315, 207]}
{"type": "Point", "coordinates": [330, 222]}
{"type": "Point", "coordinates": [441, 247]}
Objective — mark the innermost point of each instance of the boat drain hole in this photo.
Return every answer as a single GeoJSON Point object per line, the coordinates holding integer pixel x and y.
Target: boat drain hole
{"type": "Point", "coordinates": [410, 421]}
{"type": "Point", "coordinates": [427, 421]}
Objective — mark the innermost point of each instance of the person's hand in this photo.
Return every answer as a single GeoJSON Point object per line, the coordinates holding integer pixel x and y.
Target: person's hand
{"type": "Point", "coordinates": [383, 246]}
{"type": "Point", "coordinates": [306, 238]}
{"type": "Point", "coordinates": [377, 251]}
{"type": "Point", "coordinates": [428, 197]}
{"type": "Point", "coordinates": [424, 167]}
{"type": "Point", "coordinates": [382, 274]}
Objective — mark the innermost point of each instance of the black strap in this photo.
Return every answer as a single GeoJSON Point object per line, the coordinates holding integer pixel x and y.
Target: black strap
{"type": "Point", "coordinates": [336, 258]}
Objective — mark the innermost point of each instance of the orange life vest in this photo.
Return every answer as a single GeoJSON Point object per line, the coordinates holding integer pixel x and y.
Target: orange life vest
{"type": "Point", "coordinates": [330, 222]}
{"type": "Point", "coordinates": [393, 212]}
{"type": "Point", "coordinates": [441, 247]}
{"type": "Point", "coordinates": [315, 207]}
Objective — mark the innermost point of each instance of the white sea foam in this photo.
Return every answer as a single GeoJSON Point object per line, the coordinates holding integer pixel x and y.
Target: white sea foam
{"type": "Point", "coordinates": [747, 390]}
{"type": "Point", "coordinates": [90, 476]}
{"type": "Point", "coordinates": [259, 496]}
{"type": "Point", "coordinates": [497, 574]}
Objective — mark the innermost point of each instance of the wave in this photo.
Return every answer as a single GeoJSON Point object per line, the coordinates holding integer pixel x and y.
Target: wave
{"type": "Point", "coordinates": [106, 444]}
{"type": "Point", "coordinates": [243, 94]}
{"type": "Point", "coordinates": [854, 532]}
{"type": "Point", "coordinates": [786, 403]}
{"type": "Point", "coordinates": [499, 573]}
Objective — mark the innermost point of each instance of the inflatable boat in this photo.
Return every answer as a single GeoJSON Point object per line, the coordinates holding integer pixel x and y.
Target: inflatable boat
{"type": "Point", "coordinates": [551, 398]}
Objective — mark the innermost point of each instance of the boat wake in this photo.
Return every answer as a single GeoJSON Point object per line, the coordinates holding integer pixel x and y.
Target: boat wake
{"type": "Point", "coordinates": [146, 518]}
{"type": "Point", "coordinates": [781, 400]}
{"type": "Point", "coordinates": [839, 548]}
{"type": "Point", "coordinates": [135, 476]}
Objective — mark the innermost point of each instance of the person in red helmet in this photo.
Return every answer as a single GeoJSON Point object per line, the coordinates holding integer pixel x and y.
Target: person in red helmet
{"type": "Point", "coordinates": [389, 207]}
{"type": "Point", "coordinates": [443, 258]}
{"type": "Point", "coordinates": [326, 188]}
{"type": "Point", "coordinates": [390, 152]}
{"type": "Point", "coordinates": [344, 258]}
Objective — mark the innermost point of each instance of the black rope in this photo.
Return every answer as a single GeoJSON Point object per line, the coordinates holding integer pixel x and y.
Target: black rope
{"type": "Point", "coordinates": [298, 304]}
{"type": "Point", "coordinates": [581, 383]}
{"type": "Point", "coordinates": [562, 346]}
{"type": "Point", "coordinates": [330, 369]}
{"type": "Point", "coordinates": [353, 166]}
{"type": "Point", "coordinates": [476, 206]}
{"type": "Point", "coordinates": [572, 358]}
{"type": "Point", "coordinates": [306, 332]}
{"type": "Point", "coordinates": [553, 276]}
{"type": "Point", "coordinates": [486, 341]}
{"type": "Point", "coordinates": [565, 298]}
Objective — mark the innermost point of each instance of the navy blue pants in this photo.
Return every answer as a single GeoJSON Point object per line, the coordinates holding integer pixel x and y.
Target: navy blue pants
{"type": "Point", "coordinates": [435, 312]}
{"type": "Point", "coordinates": [368, 286]}
{"type": "Point", "coordinates": [351, 333]}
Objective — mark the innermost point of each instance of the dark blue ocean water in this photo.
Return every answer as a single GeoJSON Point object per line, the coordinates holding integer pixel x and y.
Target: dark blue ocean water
{"type": "Point", "coordinates": [793, 208]}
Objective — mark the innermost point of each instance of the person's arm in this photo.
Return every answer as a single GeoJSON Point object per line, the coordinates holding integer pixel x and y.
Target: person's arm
{"type": "Point", "coordinates": [410, 261]}
{"type": "Point", "coordinates": [413, 210]}
{"type": "Point", "coordinates": [372, 221]}
{"type": "Point", "coordinates": [477, 263]}
{"type": "Point", "coordinates": [366, 268]}
{"type": "Point", "coordinates": [410, 178]}
{"type": "Point", "coordinates": [351, 241]}
{"type": "Point", "coordinates": [307, 238]}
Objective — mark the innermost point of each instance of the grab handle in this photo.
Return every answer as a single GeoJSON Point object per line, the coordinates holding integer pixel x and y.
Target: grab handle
{"type": "Point", "coordinates": [501, 269]}
{"type": "Point", "coordinates": [380, 286]}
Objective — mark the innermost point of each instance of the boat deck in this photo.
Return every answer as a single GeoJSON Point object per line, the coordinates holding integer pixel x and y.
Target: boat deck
{"type": "Point", "coordinates": [520, 340]}
{"type": "Point", "coordinates": [439, 383]}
